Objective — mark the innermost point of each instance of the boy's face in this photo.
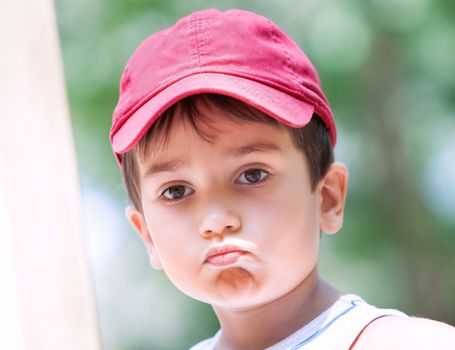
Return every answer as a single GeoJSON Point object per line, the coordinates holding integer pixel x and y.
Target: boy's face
{"type": "Point", "coordinates": [233, 223]}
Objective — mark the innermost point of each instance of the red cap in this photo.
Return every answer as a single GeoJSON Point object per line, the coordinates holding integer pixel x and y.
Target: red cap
{"type": "Point", "coordinates": [235, 53]}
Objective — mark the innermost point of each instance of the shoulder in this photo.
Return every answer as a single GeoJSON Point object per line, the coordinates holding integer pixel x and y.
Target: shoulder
{"type": "Point", "coordinates": [396, 332]}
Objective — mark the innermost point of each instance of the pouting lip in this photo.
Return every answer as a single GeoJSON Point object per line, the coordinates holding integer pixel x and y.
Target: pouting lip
{"type": "Point", "coordinates": [223, 249]}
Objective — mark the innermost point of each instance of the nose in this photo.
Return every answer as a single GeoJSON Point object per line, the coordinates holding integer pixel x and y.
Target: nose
{"type": "Point", "coordinates": [218, 221]}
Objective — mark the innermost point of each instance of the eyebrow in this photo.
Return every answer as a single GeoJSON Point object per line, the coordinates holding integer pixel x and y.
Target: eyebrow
{"type": "Point", "coordinates": [253, 148]}
{"type": "Point", "coordinates": [174, 165]}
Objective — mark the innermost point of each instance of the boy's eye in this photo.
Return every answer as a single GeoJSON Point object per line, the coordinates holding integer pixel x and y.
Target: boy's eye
{"type": "Point", "coordinates": [176, 192]}
{"type": "Point", "coordinates": [252, 176]}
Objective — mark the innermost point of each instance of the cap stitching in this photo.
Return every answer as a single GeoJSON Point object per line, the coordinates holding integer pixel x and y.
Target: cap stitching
{"type": "Point", "coordinates": [288, 59]}
{"type": "Point", "coordinates": [197, 25]}
{"type": "Point", "coordinates": [291, 65]}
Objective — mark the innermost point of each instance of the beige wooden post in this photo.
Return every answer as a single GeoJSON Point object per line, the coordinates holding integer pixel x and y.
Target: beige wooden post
{"type": "Point", "coordinates": [46, 297]}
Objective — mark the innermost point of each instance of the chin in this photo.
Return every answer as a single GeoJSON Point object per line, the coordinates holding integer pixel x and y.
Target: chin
{"type": "Point", "coordinates": [234, 287]}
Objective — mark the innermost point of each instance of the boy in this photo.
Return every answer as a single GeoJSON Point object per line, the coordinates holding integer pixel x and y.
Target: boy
{"type": "Point", "coordinates": [226, 139]}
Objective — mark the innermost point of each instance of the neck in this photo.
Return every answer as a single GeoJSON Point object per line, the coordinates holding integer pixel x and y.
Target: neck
{"type": "Point", "coordinates": [265, 325]}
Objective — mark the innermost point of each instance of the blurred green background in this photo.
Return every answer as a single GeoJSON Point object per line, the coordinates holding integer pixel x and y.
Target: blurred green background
{"type": "Point", "coordinates": [388, 69]}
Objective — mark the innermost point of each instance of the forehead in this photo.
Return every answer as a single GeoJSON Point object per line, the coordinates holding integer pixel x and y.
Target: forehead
{"type": "Point", "coordinates": [214, 130]}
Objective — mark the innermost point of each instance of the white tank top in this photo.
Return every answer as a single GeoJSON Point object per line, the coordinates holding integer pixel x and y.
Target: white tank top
{"type": "Point", "coordinates": [334, 329]}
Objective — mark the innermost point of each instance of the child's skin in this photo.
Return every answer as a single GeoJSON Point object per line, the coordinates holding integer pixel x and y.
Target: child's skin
{"type": "Point", "coordinates": [245, 191]}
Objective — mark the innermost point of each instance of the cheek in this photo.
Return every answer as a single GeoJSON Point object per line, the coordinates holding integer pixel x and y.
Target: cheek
{"type": "Point", "coordinates": [178, 247]}
{"type": "Point", "coordinates": [286, 219]}
{"type": "Point", "coordinates": [173, 235]}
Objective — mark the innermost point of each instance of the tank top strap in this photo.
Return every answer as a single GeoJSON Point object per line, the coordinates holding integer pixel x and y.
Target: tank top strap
{"type": "Point", "coordinates": [346, 320]}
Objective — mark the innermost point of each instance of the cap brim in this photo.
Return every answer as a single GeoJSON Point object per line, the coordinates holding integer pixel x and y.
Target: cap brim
{"type": "Point", "coordinates": [279, 105]}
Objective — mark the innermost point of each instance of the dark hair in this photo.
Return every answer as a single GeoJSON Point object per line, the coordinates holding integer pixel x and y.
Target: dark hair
{"type": "Point", "coordinates": [313, 139]}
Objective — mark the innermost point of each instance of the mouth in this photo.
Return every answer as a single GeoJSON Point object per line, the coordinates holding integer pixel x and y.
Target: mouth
{"type": "Point", "coordinates": [224, 255]}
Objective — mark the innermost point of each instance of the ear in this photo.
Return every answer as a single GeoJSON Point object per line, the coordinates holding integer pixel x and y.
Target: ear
{"type": "Point", "coordinates": [332, 190]}
{"type": "Point", "coordinates": [136, 218]}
